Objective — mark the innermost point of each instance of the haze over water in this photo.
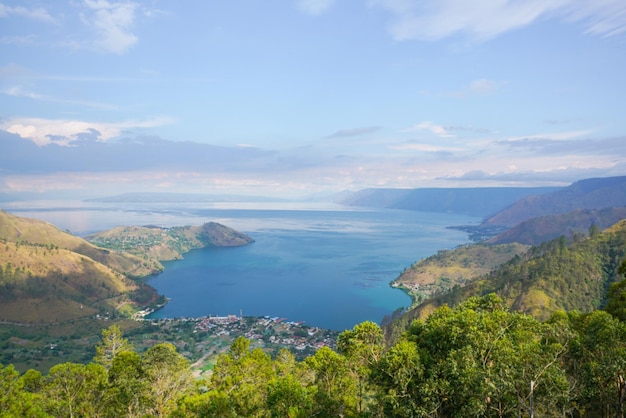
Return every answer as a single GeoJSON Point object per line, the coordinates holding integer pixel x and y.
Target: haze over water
{"type": "Point", "coordinates": [329, 266]}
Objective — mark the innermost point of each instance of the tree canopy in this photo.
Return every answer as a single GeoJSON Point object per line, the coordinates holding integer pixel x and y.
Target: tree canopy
{"type": "Point", "coordinates": [477, 359]}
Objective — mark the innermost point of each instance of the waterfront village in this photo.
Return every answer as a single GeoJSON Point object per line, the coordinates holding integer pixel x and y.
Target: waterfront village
{"type": "Point", "coordinates": [203, 339]}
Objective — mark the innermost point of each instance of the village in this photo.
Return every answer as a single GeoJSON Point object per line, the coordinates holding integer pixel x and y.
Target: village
{"type": "Point", "coordinates": [201, 340]}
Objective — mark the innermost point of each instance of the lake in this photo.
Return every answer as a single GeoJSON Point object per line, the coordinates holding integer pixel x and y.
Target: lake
{"type": "Point", "coordinates": [326, 265]}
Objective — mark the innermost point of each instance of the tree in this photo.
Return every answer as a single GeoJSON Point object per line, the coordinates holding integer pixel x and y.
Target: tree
{"type": "Point", "coordinates": [597, 360]}
{"type": "Point", "coordinates": [287, 397]}
{"type": "Point", "coordinates": [478, 360]}
{"type": "Point", "coordinates": [75, 390]}
{"type": "Point", "coordinates": [363, 347]}
{"type": "Point", "coordinates": [243, 375]}
{"type": "Point", "coordinates": [111, 344]}
{"type": "Point", "coordinates": [336, 390]}
{"type": "Point", "coordinates": [127, 386]}
{"type": "Point", "coordinates": [15, 399]}
{"type": "Point", "coordinates": [168, 377]}
{"type": "Point", "coordinates": [616, 296]}
{"type": "Point", "coordinates": [399, 376]}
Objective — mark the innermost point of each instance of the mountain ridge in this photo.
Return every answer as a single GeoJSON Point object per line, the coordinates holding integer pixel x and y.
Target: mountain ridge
{"type": "Point", "coordinates": [593, 193]}
{"type": "Point", "coordinates": [476, 201]}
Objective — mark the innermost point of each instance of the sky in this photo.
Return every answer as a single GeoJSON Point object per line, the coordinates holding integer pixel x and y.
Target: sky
{"type": "Point", "coordinates": [294, 98]}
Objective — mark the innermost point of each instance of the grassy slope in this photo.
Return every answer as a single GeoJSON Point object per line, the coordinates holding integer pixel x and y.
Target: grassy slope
{"type": "Point", "coordinates": [441, 272]}
{"type": "Point", "coordinates": [48, 276]}
{"type": "Point", "coordinates": [547, 278]}
{"type": "Point", "coordinates": [34, 231]}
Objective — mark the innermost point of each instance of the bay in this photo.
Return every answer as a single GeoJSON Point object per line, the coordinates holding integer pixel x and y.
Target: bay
{"type": "Point", "coordinates": [327, 268]}
{"type": "Point", "coordinates": [326, 265]}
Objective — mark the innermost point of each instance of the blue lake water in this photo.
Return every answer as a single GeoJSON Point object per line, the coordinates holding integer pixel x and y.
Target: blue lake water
{"type": "Point", "coordinates": [329, 267]}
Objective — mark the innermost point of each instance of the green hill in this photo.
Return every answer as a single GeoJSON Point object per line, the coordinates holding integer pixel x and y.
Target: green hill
{"type": "Point", "coordinates": [155, 243]}
{"type": "Point", "coordinates": [552, 276]}
{"type": "Point", "coordinates": [443, 271]}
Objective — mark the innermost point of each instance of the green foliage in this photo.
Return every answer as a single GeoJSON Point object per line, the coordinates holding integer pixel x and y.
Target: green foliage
{"type": "Point", "coordinates": [556, 275]}
{"type": "Point", "coordinates": [597, 363]}
{"type": "Point", "coordinates": [112, 343]}
{"type": "Point", "coordinates": [127, 385]}
{"type": "Point", "coordinates": [75, 390]}
{"type": "Point", "coordinates": [15, 398]}
{"type": "Point", "coordinates": [616, 296]}
{"type": "Point", "coordinates": [475, 360]}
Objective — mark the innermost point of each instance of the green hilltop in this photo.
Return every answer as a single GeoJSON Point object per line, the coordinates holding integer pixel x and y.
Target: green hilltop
{"type": "Point", "coordinates": [163, 244]}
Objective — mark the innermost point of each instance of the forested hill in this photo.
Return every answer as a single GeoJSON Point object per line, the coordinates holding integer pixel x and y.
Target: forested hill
{"type": "Point", "coordinates": [552, 276]}
{"type": "Point", "coordinates": [479, 201]}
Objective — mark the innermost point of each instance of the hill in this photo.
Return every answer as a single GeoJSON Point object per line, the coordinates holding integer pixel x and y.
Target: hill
{"type": "Point", "coordinates": [155, 243]}
{"type": "Point", "coordinates": [40, 233]}
{"type": "Point", "coordinates": [443, 271]}
{"type": "Point", "coordinates": [545, 228]}
{"type": "Point", "coordinates": [50, 276]}
{"type": "Point", "coordinates": [479, 201]}
{"type": "Point", "coordinates": [550, 277]}
{"type": "Point", "coordinates": [596, 193]}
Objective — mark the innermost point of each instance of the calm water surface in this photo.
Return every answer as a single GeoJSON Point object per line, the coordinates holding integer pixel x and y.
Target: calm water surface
{"type": "Point", "coordinates": [329, 267]}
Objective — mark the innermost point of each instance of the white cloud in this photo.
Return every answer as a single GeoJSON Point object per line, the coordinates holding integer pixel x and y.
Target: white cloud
{"type": "Point", "coordinates": [64, 132]}
{"type": "Point", "coordinates": [314, 7]}
{"type": "Point", "coordinates": [37, 13]}
{"type": "Point", "coordinates": [18, 40]}
{"type": "Point", "coordinates": [486, 19]}
{"type": "Point", "coordinates": [601, 17]}
{"type": "Point", "coordinates": [354, 132]}
{"type": "Point", "coordinates": [438, 130]}
{"type": "Point", "coordinates": [552, 136]}
{"type": "Point", "coordinates": [479, 87]}
{"type": "Point", "coordinates": [113, 22]}
{"type": "Point", "coordinates": [18, 91]}
{"type": "Point", "coordinates": [482, 86]}
{"type": "Point", "coordinates": [421, 147]}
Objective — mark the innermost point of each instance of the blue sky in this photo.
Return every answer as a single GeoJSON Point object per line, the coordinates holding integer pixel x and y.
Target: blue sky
{"type": "Point", "coordinates": [296, 97]}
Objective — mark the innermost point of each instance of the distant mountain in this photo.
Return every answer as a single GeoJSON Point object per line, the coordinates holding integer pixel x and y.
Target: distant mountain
{"type": "Point", "coordinates": [149, 197]}
{"type": "Point", "coordinates": [597, 193]}
{"type": "Point", "coordinates": [50, 276]}
{"type": "Point", "coordinates": [550, 277]}
{"type": "Point", "coordinates": [479, 202]}
{"type": "Point", "coordinates": [151, 242]}
{"type": "Point", "coordinates": [545, 228]}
